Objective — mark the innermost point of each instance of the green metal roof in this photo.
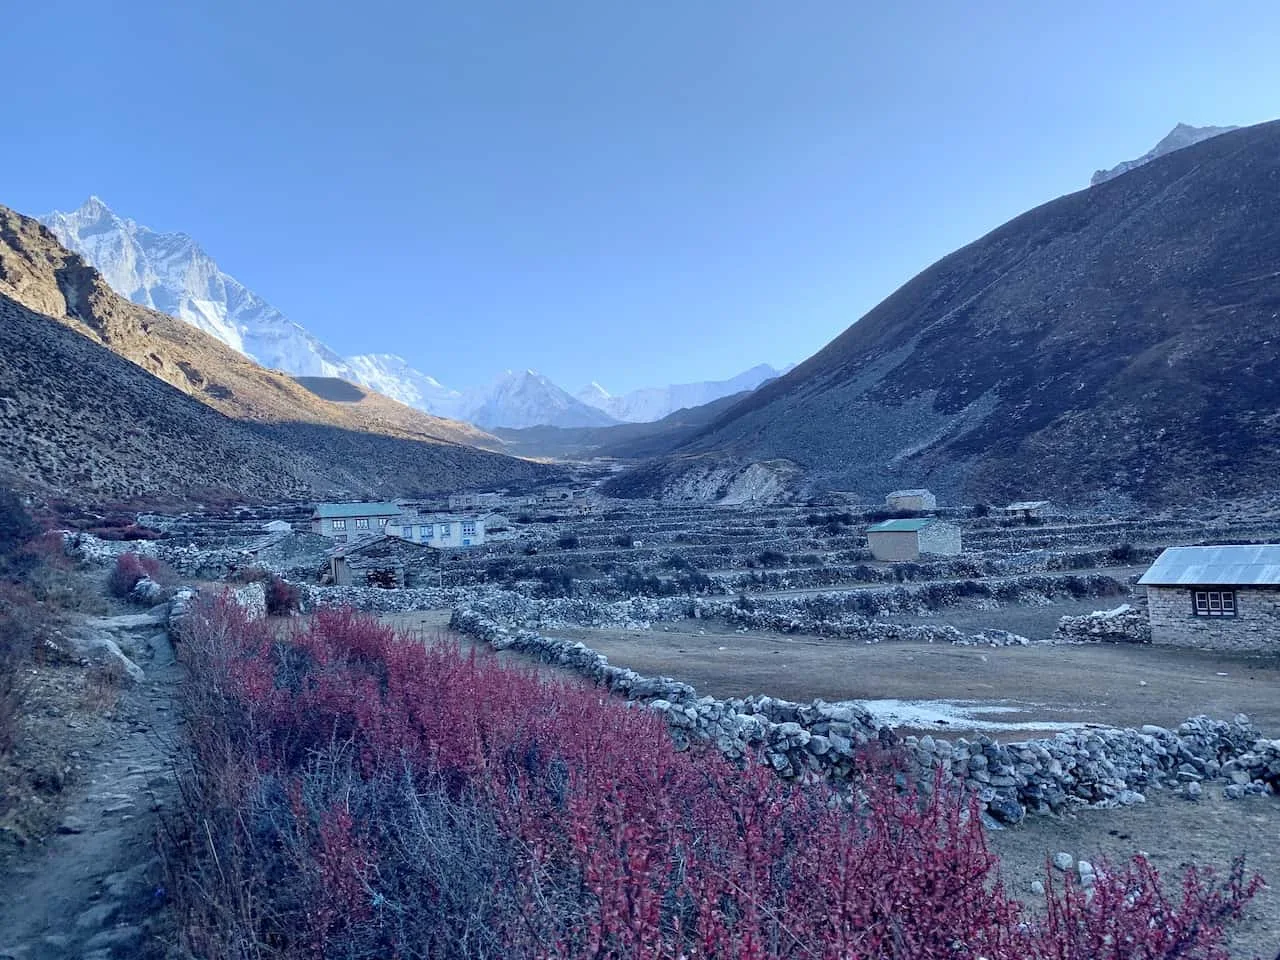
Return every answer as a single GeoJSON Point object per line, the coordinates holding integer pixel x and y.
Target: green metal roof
{"type": "Point", "coordinates": [901, 526]}
{"type": "Point", "coordinates": [343, 511]}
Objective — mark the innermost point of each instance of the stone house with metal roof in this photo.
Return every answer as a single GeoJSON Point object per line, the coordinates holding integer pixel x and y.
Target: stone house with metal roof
{"type": "Point", "coordinates": [896, 540]}
{"type": "Point", "coordinates": [920, 500]}
{"type": "Point", "coordinates": [1216, 598]}
{"type": "Point", "coordinates": [351, 521]}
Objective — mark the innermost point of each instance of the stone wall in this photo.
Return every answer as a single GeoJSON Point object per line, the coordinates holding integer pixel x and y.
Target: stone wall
{"type": "Point", "coordinates": [1100, 767]}
{"type": "Point", "coordinates": [941, 539]}
{"type": "Point", "coordinates": [1256, 626]}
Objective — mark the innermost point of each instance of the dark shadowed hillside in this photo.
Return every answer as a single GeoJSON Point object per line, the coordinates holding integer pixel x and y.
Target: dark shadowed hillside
{"type": "Point", "coordinates": [1121, 339]}
{"type": "Point", "coordinates": [101, 397]}
{"type": "Point", "coordinates": [625, 441]}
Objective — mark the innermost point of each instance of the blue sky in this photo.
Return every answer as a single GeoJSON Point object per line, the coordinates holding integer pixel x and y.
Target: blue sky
{"type": "Point", "coordinates": [633, 193]}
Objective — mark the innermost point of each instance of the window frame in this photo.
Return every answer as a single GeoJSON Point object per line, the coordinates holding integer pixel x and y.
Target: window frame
{"type": "Point", "coordinates": [426, 531]}
{"type": "Point", "coordinates": [362, 523]}
{"type": "Point", "coordinates": [468, 528]}
{"type": "Point", "coordinates": [1215, 604]}
{"type": "Point", "coordinates": [338, 524]}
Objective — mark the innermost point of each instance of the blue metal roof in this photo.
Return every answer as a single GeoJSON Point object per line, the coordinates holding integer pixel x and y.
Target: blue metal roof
{"type": "Point", "coordinates": [342, 511]}
{"type": "Point", "coordinates": [1228, 566]}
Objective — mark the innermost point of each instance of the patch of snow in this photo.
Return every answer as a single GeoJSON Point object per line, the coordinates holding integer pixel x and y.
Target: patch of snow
{"type": "Point", "coordinates": [956, 715]}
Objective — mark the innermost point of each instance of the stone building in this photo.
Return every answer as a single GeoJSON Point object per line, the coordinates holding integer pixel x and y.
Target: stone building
{"type": "Point", "coordinates": [1026, 509]}
{"type": "Point", "coordinates": [442, 529]}
{"type": "Point", "coordinates": [351, 521]}
{"type": "Point", "coordinates": [474, 501]}
{"type": "Point", "coordinates": [383, 561]}
{"type": "Point", "coordinates": [1220, 598]}
{"type": "Point", "coordinates": [919, 500]}
{"type": "Point", "coordinates": [909, 539]}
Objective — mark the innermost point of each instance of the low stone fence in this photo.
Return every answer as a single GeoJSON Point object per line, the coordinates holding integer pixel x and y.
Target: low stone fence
{"type": "Point", "coordinates": [1124, 624]}
{"type": "Point", "coordinates": [378, 600]}
{"type": "Point", "coordinates": [847, 614]}
{"type": "Point", "coordinates": [1092, 766]}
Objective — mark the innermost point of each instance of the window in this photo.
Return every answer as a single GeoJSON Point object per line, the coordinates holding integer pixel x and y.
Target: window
{"type": "Point", "coordinates": [468, 528]}
{"type": "Point", "coordinates": [1213, 603]}
{"type": "Point", "coordinates": [445, 530]}
{"type": "Point", "coordinates": [426, 531]}
{"type": "Point", "coordinates": [382, 521]}
{"type": "Point", "coordinates": [338, 524]}
{"type": "Point", "coordinates": [362, 523]}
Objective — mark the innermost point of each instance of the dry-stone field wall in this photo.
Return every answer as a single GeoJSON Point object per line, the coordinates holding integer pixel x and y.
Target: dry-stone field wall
{"type": "Point", "coordinates": [1096, 767]}
{"type": "Point", "coordinates": [788, 569]}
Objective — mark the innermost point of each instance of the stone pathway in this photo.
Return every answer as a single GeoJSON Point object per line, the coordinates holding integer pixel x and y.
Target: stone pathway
{"type": "Point", "coordinates": [93, 891]}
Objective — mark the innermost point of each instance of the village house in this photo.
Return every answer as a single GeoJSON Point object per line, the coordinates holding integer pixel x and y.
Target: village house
{"type": "Point", "coordinates": [442, 530]}
{"type": "Point", "coordinates": [474, 501]}
{"type": "Point", "coordinates": [1217, 597]}
{"type": "Point", "coordinates": [1025, 509]}
{"type": "Point", "coordinates": [351, 521]}
{"type": "Point", "coordinates": [277, 526]}
{"type": "Point", "coordinates": [895, 540]}
{"type": "Point", "coordinates": [383, 561]}
{"type": "Point", "coordinates": [918, 500]}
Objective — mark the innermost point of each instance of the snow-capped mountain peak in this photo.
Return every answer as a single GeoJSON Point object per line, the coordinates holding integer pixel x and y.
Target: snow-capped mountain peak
{"type": "Point", "coordinates": [171, 273]}
{"type": "Point", "coordinates": [653, 403]}
{"type": "Point", "coordinates": [393, 376]}
{"type": "Point", "coordinates": [527, 399]}
{"type": "Point", "coordinates": [1182, 135]}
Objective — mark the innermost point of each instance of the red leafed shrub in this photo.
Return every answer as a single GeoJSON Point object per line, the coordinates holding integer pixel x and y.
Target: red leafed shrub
{"type": "Point", "coordinates": [355, 795]}
{"type": "Point", "coordinates": [283, 597]}
{"type": "Point", "coordinates": [132, 567]}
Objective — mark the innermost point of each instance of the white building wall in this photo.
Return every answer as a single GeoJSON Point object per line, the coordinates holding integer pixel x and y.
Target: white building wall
{"type": "Point", "coordinates": [437, 531]}
{"type": "Point", "coordinates": [893, 545]}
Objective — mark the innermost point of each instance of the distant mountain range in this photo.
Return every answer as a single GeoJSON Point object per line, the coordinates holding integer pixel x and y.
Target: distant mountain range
{"type": "Point", "coordinates": [1181, 136]}
{"type": "Point", "coordinates": [1118, 343]}
{"type": "Point", "coordinates": [103, 398]}
{"type": "Point", "coordinates": [171, 273]}
{"type": "Point", "coordinates": [650, 404]}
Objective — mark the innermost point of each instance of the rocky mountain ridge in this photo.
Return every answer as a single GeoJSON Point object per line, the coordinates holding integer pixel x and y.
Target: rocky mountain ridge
{"type": "Point", "coordinates": [1119, 341]}
{"type": "Point", "coordinates": [1182, 135]}
{"type": "Point", "coordinates": [103, 395]}
{"type": "Point", "coordinates": [172, 273]}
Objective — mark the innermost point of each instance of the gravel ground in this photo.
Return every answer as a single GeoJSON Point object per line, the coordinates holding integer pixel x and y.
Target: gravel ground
{"type": "Point", "coordinates": [1117, 685]}
{"type": "Point", "coordinates": [1174, 833]}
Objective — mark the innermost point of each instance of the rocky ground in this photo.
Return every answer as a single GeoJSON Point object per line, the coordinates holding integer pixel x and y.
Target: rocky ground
{"type": "Point", "coordinates": [1174, 833]}
{"type": "Point", "coordinates": [78, 866]}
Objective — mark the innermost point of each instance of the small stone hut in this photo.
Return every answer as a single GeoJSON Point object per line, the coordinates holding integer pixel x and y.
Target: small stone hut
{"type": "Point", "coordinates": [1026, 509]}
{"type": "Point", "coordinates": [1216, 598]}
{"type": "Point", "coordinates": [909, 539]}
{"type": "Point", "coordinates": [919, 500]}
{"type": "Point", "coordinates": [383, 561]}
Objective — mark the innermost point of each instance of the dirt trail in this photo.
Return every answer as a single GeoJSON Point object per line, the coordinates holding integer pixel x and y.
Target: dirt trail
{"type": "Point", "coordinates": [93, 889]}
